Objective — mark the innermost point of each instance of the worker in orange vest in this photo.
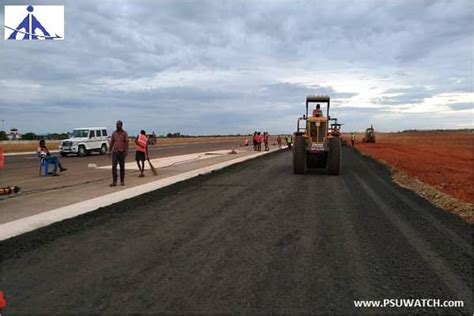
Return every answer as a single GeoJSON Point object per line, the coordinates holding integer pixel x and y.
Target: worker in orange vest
{"type": "Point", "coordinates": [265, 141]}
{"type": "Point", "coordinates": [279, 141]}
{"type": "Point", "coordinates": [141, 153]}
{"type": "Point", "coordinates": [255, 141]}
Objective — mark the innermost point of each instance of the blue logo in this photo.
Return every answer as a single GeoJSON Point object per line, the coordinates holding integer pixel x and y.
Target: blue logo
{"type": "Point", "coordinates": [30, 28]}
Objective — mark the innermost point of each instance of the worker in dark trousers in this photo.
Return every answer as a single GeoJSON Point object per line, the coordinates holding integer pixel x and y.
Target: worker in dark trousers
{"type": "Point", "coordinates": [353, 138]}
{"type": "Point", "coordinates": [255, 141]}
{"type": "Point", "coordinates": [118, 151]}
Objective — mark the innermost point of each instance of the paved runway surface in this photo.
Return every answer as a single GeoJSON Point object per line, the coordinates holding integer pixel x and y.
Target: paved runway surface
{"type": "Point", "coordinates": [39, 194]}
{"type": "Point", "coordinates": [251, 238]}
{"type": "Point", "coordinates": [20, 166]}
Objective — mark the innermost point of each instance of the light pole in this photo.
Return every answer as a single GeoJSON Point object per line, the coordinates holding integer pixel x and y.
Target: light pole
{"type": "Point", "coordinates": [3, 121]}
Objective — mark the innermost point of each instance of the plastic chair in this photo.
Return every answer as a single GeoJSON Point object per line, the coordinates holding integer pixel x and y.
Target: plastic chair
{"type": "Point", "coordinates": [44, 164]}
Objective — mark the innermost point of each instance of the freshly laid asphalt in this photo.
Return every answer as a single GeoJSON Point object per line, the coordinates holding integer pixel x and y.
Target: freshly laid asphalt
{"type": "Point", "coordinates": [252, 238]}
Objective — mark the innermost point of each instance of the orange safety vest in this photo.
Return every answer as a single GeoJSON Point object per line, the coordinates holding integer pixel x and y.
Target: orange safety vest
{"type": "Point", "coordinates": [141, 143]}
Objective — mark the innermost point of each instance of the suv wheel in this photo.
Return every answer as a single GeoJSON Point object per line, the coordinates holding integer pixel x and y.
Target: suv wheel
{"type": "Point", "coordinates": [103, 149]}
{"type": "Point", "coordinates": [81, 151]}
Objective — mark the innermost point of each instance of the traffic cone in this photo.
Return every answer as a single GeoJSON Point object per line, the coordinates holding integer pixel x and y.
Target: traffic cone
{"type": "Point", "coordinates": [3, 302]}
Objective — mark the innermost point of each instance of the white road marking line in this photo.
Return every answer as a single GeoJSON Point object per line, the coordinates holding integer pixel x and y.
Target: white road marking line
{"type": "Point", "coordinates": [173, 160]}
{"type": "Point", "coordinates": [164, 147]}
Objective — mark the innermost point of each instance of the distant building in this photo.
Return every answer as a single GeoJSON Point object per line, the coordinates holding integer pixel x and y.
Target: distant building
{"type": "Point", "coordinates": [14, 134]}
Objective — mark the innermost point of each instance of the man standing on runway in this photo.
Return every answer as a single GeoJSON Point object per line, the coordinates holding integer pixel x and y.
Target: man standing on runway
{"type": "Point", "coordinates": [119, 151]}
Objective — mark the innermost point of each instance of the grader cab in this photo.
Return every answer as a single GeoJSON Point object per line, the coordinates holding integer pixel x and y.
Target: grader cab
{"type": "Point", "coordinates": [335, 131]}
{"type": "Point", "coordinates": [335, 127]}
{"type": "Point", "coordinates": [314, 146]}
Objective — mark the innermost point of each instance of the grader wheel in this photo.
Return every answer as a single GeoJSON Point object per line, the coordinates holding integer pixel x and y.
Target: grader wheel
{"type": "Point", "coordinates": [334, 156]}
{"type": "Point", "coordinates": [299, 155]}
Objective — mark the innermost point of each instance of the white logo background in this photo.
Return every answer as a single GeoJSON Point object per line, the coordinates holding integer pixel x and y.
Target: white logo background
{"type": "Point", "coordinates": [50, 16]}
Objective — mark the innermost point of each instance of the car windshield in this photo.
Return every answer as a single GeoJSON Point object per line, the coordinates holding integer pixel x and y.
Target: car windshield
{"type": "Point", "coordinates": [80, 133]}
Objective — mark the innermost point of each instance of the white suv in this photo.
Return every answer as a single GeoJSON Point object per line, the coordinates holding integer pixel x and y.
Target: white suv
{"type": "Point", "coordinates": [83, 141]}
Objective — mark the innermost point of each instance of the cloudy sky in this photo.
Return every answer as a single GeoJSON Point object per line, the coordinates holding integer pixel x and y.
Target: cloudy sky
{"type": "Point", "coordinates": [218, 67]}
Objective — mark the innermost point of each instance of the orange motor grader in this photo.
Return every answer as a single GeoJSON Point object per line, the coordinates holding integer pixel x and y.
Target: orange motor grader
{"type": "Point", "coordinates": [314, 146]}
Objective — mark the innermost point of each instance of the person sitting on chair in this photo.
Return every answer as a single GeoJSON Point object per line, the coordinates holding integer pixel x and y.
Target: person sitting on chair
{"type": "Point", "coordinates": [43, 153]}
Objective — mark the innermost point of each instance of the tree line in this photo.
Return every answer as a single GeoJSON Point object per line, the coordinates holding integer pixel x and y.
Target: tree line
{"type": "Point", "coordinates": [33, 136]}
{"type": "Point", "coordinates": [60, 136]}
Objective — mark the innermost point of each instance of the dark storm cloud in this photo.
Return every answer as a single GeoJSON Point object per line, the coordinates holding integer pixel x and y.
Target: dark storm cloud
{"type": "Point", "coordinates": [114, 51]}
{"type": "Point", "coordinates": [403, 96]}
{"type": "Point", "coordinates": [284, 91]}
{"type": "Point", "coordinates": [462, 106]}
